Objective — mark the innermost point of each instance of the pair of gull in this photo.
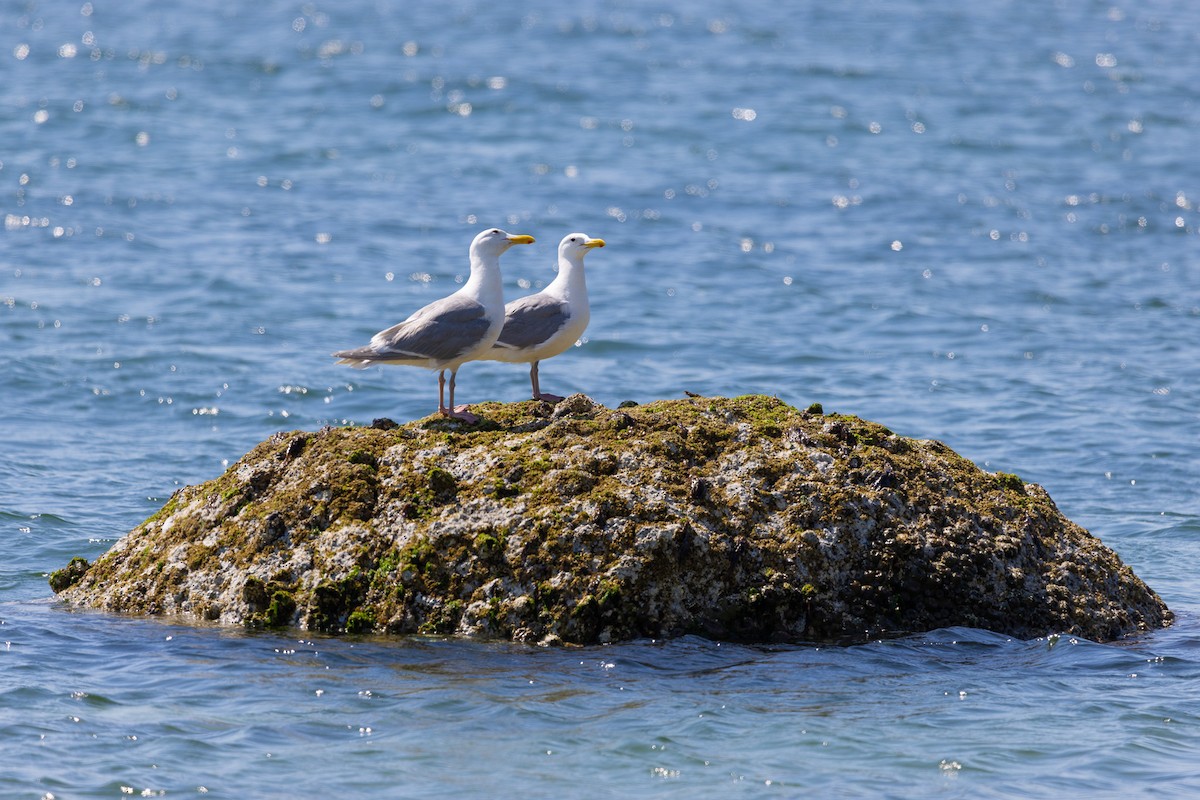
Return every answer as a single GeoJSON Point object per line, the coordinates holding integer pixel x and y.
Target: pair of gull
{"type": "Point", "coordinates": [474, 324]}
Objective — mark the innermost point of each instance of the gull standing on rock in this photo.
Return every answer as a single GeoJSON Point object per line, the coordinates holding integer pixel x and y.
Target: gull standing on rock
{"type": "Point", "coordinates": [545, 324]}
{"type": "Point", "coordinates": [448, 332]}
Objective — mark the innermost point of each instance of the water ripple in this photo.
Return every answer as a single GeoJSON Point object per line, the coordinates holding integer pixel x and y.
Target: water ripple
{"type": "Point", "coordinates": [971, 226]}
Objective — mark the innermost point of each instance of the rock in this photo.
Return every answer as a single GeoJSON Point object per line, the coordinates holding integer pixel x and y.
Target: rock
{"type": "Point", "coordinates": [740, 519]}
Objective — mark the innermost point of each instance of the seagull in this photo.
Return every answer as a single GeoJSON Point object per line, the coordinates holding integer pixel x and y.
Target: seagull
{"type": "Point", "coordinates": [545, 324]}
{"type": "Point", "coordinates": [448, 332]}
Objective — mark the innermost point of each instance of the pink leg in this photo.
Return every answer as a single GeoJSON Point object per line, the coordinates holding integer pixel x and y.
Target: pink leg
{"type": "Point", "coordinates": [458, 412]}
{"type": "Point", "coordinates": [537, 389]}
{"type": "Point", "coordinates": [442, 393]}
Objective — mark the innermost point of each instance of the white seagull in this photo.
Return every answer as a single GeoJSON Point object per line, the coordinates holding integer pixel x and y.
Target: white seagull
{"type": "Point", "coordinates": [448, 332]}
{"type": "Point", "coordinates": [545, 324]}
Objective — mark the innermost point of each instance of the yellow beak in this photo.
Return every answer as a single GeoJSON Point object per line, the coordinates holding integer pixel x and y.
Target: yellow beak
{"type": "Point", "coordinates": [521, 238]}
{"type": "Point", "coordinates": [594, 243]}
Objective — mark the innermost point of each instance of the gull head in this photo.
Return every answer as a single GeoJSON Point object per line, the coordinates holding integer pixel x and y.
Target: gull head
{"type": "Point", "coordinates": [575, 246]}
{"type": "Point", "coordinates": [494, 241]}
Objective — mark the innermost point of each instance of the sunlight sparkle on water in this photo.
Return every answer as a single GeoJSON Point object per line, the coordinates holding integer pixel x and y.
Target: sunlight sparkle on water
{"type": "Point", "coordinates": [631, 116]}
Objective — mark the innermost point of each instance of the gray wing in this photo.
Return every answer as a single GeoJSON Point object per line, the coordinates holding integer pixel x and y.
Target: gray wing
{"type": "Point", "coordinates": [532, 320]}
{"type": "Point", "coordinates": [442, 331]}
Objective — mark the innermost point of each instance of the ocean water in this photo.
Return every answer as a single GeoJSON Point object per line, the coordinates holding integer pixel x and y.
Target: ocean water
{"type": "Point", "coordinates": [970, 222]}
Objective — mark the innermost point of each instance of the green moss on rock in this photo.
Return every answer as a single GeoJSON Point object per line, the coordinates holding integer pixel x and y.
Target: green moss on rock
{"type": "Point", "coordinates": [360, 622]}
{"type": "Point", "coordinates": [736, 518]}
{"type": "Point", "coordinates": [68, 576]}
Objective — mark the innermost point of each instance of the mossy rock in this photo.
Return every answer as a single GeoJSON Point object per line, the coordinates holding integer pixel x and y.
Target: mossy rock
{"type": "Point", "coordinates": [741, 519]}
{"type": "Point", "coordinates": [68, 576]}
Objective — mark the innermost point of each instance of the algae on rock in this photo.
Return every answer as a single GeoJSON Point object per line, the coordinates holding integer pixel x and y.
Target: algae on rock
{"type": "Point", "coordinates": [737, 518]}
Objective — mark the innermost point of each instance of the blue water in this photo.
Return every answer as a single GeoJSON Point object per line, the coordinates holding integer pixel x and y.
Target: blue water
{"type": "Point", "coordinates": [971, 222]}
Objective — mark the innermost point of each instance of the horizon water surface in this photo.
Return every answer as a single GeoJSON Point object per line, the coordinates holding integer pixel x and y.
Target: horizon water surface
{"type": "Point", "coordinates": [974, 224]}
